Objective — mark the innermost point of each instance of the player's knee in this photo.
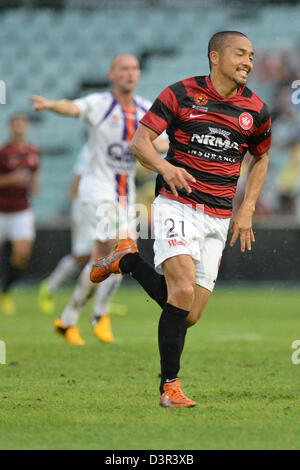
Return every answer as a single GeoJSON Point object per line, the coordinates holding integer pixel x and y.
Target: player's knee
{"type": "Point", "coordinates": [182, 295]}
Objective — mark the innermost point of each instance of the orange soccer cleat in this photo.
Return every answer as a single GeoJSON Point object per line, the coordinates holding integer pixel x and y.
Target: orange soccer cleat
{"type": "Point", "coordinates": [104, 267]}
{"type": "Point", "coordinates": [71, 333]}
{"type": "Point", "coordinates": [173, 397]}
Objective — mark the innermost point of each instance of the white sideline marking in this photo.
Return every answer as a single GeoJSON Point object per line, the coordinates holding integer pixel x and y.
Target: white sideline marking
{"type": "Point", "coordinates": [2, 352]}
{"type": "Point", "coordinates": [239, 337]}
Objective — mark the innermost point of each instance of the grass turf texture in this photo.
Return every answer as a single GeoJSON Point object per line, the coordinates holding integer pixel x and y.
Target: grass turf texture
{"type": "Point", "coordinates": [236, 365]}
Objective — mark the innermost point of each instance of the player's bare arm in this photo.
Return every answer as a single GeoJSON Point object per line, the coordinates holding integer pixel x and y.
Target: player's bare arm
{"type": "Point", "coordinates": [143, 149]}
{"type": "Point", "coordinates": [242, 222]}
{"type": "Point", "coordinates": [35, 183]}
{"type": "Point", "coordinates": [161, 145]}
{"type": "Point", "coordinates": [64, 107]}
{"type": "Point", "coordinates": [73, 192]}
{"type": "Point", "coordinates": [18, 177]}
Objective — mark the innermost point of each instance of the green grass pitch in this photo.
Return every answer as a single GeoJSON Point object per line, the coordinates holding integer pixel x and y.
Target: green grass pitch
{"type": "Point", "coordinates": [236, 365]}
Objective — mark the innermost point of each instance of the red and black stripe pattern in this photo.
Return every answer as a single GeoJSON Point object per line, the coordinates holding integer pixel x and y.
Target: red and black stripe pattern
{"type": "Point", "coordinates": [15, 198]}
{"type": "Point", "coordinates": [209, 136]}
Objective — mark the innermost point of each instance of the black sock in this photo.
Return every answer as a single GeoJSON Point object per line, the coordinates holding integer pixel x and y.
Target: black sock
{"type": "Point", "coordinates": [171, 336]}
{"type": "Point", "coordinates": [5, 257]}
{"type": "Point", "coordinates": [10, 275]}
{"type": "Point", "coordinates": [152, 282]}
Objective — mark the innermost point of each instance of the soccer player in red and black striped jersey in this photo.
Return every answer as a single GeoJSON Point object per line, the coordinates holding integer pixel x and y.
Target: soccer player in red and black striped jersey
{"type": "Point", "coordinates": [211, 121]}
{"type": "Point", "coordinates": [19, 163]}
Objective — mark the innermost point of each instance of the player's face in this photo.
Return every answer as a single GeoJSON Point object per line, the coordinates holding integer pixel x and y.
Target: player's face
{"type": "Point", "coordinates": [125, 73]}
{"type": "Point", "coordinates": [19, 127]}
{"type": "Point", "coordinates": [236, 60]}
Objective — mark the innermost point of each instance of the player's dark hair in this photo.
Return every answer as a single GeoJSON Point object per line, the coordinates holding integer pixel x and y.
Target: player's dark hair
{"type": "Point", "coordinates": [216, 42]}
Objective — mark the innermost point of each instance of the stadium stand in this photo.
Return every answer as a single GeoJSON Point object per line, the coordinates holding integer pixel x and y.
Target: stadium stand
{"type": "Point", "coordinates": [66, 53]}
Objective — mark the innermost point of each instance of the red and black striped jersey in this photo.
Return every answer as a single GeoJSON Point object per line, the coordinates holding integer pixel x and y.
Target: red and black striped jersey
{"type": "Point", "coordinates": [16, 198]}
{"type": "Point", "coordinates": [209, 136]}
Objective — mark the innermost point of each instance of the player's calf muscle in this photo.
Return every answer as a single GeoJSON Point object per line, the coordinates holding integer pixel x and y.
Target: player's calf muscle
{"type": "Point", "coordinates": [194, 316]}
{"type": "Point", "coordinates": [20, 262]}
{"type": "Point", "coordinates": [201, 298]}
{"type": "Point", "coordinates": [20, 256]}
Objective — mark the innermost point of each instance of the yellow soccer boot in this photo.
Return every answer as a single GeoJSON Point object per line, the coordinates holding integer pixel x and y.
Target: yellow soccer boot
{"type": "Point", "coordinates": [71, 333]}
{"type": "Point", "coordinates": [102, 329]}
{"type": "Point", "coordinates": [45, 298]}
{"type": "Point", "coordinates": [7, 304]}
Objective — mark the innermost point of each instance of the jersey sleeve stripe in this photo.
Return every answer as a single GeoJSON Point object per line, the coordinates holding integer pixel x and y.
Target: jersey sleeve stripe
{"type": "Point", "coordinates": [260, 149]}
{"type": "Point", "coordinates": [154, 122]}
{"type": "Point", "coordinates": [179, 91]}
{"type": "Point", "coordinates": [260, 142]}
{"type": "Point", "coordinates": [260, 138]}
{"type": "Point", "coordinates": [161, 110]}
{"type": "Point", "coordinates": [264, 114]}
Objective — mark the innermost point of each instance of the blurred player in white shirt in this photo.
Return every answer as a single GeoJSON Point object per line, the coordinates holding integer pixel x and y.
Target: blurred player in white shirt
{"type": "Point", "coordinates": [81, 242]}
{"type": "Point", "coordinates": [107, 187]}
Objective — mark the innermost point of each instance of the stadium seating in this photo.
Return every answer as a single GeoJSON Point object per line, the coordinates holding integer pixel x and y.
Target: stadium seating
{"type": "Point", "coordinates": [53, 53]}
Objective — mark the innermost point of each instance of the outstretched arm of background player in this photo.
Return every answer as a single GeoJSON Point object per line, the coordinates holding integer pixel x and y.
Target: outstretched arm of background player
{"type": "Point", "coordinates": [143, 149]}
{"type": "Point", "coordinates": [64, 107]}
{"type": "Point", "coordinates": [73, 192]}
{"type": "Point", "coordinates": [242, 222]}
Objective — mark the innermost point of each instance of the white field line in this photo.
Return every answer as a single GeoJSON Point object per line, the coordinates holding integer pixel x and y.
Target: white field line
{"type": "Point", "coordinates": [238, 337]}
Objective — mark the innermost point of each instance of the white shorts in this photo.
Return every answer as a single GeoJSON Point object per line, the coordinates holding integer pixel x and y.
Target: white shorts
{"type": "Point", "coordinates": [17, 226]}
{"type": "Point", "coordinates": [108, 220]}
{"type": "Point", "coordinates": [180, 229]}
{"type": "Point", "coordinates": [82, 239]}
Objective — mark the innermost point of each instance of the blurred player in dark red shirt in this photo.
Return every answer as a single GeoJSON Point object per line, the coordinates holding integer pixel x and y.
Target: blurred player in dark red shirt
{"type": "Point", "coordinates": [19, 178]}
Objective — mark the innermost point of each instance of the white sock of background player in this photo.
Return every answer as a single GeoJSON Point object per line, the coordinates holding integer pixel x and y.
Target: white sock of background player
{"type": "Point", "coordinates": [103, 295]}
{"type": "Point", "coordinates": [82, 293]}
{"type": "Point", "coordinates": [65, 270]}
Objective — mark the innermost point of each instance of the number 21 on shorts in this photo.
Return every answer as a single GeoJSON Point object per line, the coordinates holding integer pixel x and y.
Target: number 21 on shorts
{"type": "Point", "coordinates": [170, 227]}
